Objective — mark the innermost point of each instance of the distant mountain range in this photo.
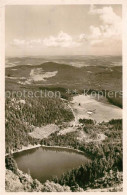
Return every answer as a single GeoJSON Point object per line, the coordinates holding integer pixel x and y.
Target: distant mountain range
{"type": "Point", "coordinates": [78, 61]}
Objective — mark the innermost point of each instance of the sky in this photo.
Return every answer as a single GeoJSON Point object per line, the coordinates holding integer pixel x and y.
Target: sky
{"type": "Point", "coordinates": [34, 30]}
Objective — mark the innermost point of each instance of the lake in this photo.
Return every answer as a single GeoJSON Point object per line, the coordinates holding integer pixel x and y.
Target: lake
{"type": "Point", "coordinates": [43, 163]}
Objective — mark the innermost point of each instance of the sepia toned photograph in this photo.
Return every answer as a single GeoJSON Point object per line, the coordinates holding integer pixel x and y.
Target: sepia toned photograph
{"type": "Point", "coordinates": [63, 98]}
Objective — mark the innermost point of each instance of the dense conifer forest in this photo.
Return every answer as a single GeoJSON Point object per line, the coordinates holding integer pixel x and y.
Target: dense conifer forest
{"type": "Point", "coordinates": [104, 170]}
{"type": "Point", "coordinates": [23, 115]}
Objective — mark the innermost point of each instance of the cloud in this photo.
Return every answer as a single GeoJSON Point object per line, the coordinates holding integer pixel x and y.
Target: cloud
{"type": "Point", "coordinates": [26, 43]}
{"type": "Point", "coordinates": [61, 40]}
{"type": "Point", "coordinates": [111, 28]}
{"type": "Point", "coordinates": [18, 42]}
{"type": "Point", "coordinates": [95, 32]}
{"type": "Point", "coordinates": [101, 36]}
{"type": "Point", "coordinates": [82, 37]}
{"type": "Point", "coordinates": [107, 15]}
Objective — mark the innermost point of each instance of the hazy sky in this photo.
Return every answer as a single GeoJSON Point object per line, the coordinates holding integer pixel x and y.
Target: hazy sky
{"type": "Point", "coordinates": [63, 30]}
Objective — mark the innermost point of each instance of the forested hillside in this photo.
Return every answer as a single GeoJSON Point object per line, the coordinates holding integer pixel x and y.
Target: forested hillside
{"type": "Point", "coordinates": [23, 115]}
{"type": "Point", "coordinates": [106, 167]}
{"type": "Point", "coordinates": [101, 142]}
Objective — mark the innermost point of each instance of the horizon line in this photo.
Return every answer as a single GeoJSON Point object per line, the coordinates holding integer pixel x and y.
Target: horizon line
{"type": "Point", "coordinates": [7, 56]}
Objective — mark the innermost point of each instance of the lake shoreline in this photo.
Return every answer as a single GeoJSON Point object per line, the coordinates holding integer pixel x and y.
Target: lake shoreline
{"type": "Point", "coordinates": [39, 145]}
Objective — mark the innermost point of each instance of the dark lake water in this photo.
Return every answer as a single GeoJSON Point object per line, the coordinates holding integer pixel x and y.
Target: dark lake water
{"type": "Point", "coordinates": [43, 163]}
